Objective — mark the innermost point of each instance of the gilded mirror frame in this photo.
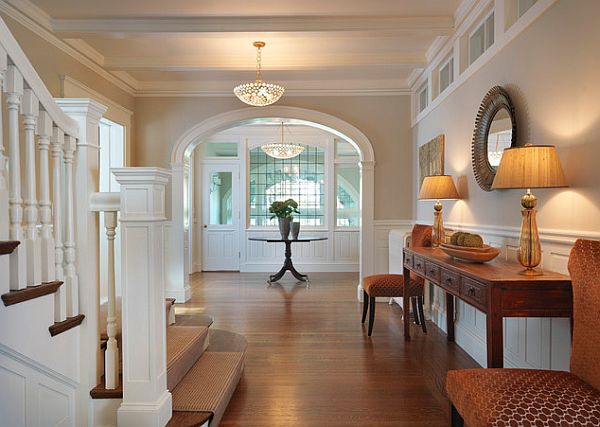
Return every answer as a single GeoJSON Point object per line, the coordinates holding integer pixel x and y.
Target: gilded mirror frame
{"type": "Point", "coordinates": [495, 100]}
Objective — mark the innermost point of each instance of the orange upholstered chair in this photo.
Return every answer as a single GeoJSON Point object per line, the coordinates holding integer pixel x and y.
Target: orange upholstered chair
{"type": "Point", "coordinates": [527, 397]}
{"type": "Point", "coordinates": [392, 285]}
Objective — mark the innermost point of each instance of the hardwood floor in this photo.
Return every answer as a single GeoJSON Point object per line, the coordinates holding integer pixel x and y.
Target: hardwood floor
{"type": "Point", "coordinates": [310, 362]}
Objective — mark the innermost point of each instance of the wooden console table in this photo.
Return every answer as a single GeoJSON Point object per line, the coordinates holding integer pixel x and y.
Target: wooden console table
{"type": "Point", "coordinates": [496, 288]}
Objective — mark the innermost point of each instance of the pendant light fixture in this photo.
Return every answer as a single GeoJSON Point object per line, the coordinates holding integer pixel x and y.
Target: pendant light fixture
{"type": "Point", "coordinates": [258, 93]}
{"type": "Point", "coordinates": [282, 150]}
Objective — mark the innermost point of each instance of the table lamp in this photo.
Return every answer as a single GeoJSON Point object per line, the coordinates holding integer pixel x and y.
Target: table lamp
{"type": "Point", "coordinates": [438, 187]}
{"type": "Point", "coordinates": [530, 166]}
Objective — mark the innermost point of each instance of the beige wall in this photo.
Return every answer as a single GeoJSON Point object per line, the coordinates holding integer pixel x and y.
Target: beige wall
{"type": "Point", "coordinates": [551, 72]}
{"type": "Point", "coordinates": [51, 62]}
{"type": "Point", "coordinates": [385, 120]}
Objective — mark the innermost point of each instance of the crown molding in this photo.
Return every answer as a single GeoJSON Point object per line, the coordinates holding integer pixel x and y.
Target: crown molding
{"type": "Point", "coordinates": [166, 93]}
{"type": "Point", "coordinates": [38, 22]}
{"type": "Point", "coordinates": [239, 24]}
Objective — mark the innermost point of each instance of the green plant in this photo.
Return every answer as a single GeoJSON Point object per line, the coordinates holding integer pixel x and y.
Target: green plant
{"type": "Point", "coordinates": [284, 209]}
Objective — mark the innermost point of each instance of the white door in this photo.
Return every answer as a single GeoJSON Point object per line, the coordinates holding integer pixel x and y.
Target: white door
{"type": "Point", "coordinates": [221, 217]}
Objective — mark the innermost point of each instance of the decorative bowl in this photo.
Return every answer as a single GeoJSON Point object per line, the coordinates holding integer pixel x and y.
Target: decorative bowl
{"type": "Point", "coordinates": [483, 254]}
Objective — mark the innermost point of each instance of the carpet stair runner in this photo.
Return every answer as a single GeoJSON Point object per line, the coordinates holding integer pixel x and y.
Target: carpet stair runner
{"type": "Point", "coordinates": [203, 370]}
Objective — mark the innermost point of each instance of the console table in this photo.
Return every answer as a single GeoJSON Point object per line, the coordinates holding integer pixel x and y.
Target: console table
{"type": "Point", "coordinates": [287, 264]}
{"type": "Point", "coordinates": [496, 288]}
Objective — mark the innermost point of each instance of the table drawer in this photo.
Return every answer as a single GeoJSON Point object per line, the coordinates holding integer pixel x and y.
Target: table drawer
{"type": "Point", "coordinates": [450, 281]}
{"type": "Point", "coordinates": [419, 264]}
{"type": "Point", "coordinates": [408, 259]}
{"type": "Point", "coordinates": [432, 272]}
{"type": "Point", "coordinates": [473, 292]}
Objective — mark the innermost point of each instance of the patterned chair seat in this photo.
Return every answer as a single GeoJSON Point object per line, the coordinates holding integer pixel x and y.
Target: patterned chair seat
{"type": "Point", "coordinates": [391, 285]}
{"type": "Point", "coordinates": [523, 397]}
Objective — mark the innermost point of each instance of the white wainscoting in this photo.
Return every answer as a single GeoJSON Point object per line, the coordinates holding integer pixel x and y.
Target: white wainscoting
{"type": "Point", "coordinates": [33, 395]}
{"type": "Point", "coordinates": [382, 245]}
{"type": "Point", "coordinates": [339, 253]}
{"type": "Point", "coordinates": [528, 342]}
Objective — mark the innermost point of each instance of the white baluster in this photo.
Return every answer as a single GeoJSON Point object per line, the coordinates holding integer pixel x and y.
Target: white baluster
{"type": "Point", "coordinates": [4, 218]}
{"type": "Point", "coordinates": [44, 129]}
{"type": "Point", "coordinates": [71, 281]}
{"type": "Point", "coordinates": [30, 108]}
{"type": "Point", "coordinates": [18, 259]}
{"type": "Point", "coordinates": [60, 300]}
{"type": "Point", "coordinates": [111, 356]}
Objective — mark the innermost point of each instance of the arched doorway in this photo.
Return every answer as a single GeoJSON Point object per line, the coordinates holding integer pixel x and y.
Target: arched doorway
{"type": "Point", "coordinates": [178, 267]}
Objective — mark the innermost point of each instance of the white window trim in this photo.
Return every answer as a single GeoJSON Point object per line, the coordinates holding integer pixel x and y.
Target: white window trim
{"type": "Point", "coordinates": [424, 88]}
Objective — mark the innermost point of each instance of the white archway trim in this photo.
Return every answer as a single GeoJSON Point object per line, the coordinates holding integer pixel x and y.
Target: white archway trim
{"type": "Point", "coordinates": [178, 269]}
{"type": "Point", "coordinates": [220, 122]}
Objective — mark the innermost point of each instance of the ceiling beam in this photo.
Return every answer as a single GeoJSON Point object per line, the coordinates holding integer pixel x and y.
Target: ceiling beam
{"type": "Point", "coordinates": [289, 63]}
{"type": "Point", "coordinates": [117, 27]}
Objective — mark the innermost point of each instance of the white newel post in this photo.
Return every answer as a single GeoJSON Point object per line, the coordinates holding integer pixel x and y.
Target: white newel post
{"type": "Point", "coordinates": [87, 113]}
{"type": "Point", "coordinates": [367, 206]}
{"type": "Point", "coordinates": [44, 130]}
{"type": "Point", "coordinates": [31, 109]}
{"type": "Point", "coordinates": [60, 296]}
{"type": "Point", "coordinates": [178, 285]}
{"type": "Point", "coordinates": [146, 400]}
{"type": "Point", "coordinates": [18, 259]}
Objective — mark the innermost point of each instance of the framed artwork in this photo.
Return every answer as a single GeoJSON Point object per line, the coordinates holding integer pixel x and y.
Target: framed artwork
{"type": "Point", "coordinates": [431, 158]}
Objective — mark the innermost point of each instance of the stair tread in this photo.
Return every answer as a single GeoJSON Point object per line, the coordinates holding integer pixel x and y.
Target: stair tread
{"type": "Point", "coordinates": [209, 385]}
{"type": "Point", "coordinates": [189, 419]}
{"type": "Point", "coordinates": [101, 392]}
{"type": "Point", "coordinates": [8, 246]}
{"type": "Point", "coordinates": [185, 345]}
{"type": "Point", "coordinates": [65, 325]}
{"type": "Point", "coordinates": [30, 292]}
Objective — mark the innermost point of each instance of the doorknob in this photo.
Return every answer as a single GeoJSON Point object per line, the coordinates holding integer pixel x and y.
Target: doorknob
{"type": "Point", "coordinates": [205, 226]}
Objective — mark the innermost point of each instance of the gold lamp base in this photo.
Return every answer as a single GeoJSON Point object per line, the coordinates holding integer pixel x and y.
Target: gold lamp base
{"type": "Point", "coordinates": [437, 236]}
{"type": "Point", "coordinates": [530, 250]}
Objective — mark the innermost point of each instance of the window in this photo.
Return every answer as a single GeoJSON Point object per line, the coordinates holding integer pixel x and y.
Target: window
{"type": "Point", "coordinates": [423, 98]}
{"type": "Point", "coordinates": [481, 39]}
{"type": "Point", "coordinates": [525, 5]}
{"type": "Point", "coordinates": [220, 149]}
{"type": "Point", "coordinates": [301, 178]}
{"type": "Point", "coordinates": [347, 190]}
{"type": "Point", "coordinates": [446, 74]}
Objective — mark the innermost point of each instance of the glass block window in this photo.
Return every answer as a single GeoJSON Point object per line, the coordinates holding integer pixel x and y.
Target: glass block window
{"type": "Point", "coordinates": [301, 178]}
{"type": "Point", "coordinates": [347, 190]}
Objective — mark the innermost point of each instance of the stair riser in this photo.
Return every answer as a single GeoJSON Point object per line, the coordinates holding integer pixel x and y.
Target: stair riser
{"type": "Point", "coordinates": [176, 372]}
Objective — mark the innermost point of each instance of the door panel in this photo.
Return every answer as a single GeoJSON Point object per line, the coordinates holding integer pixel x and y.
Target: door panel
{"type": "Point", "coordinates": [221, 219]}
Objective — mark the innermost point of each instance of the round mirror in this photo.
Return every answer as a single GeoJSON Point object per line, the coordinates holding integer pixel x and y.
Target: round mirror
{"type": "Point", "coordinates": [495, 130]}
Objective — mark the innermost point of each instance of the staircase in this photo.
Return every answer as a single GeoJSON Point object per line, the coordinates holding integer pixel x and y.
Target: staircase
{"type": "Point", "coordinates": [201, 377]}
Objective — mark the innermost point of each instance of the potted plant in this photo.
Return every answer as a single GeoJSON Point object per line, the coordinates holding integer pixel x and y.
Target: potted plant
{"type": "Point", "coordinates": [284, 211]}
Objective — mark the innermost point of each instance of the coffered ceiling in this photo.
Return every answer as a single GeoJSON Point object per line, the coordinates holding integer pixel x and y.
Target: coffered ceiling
{"type": "Point", "coordinates": [205, 46]}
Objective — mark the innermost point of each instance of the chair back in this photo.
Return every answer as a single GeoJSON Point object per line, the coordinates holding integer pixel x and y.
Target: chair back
{"type": "Point", "coordinates": [584, 267]}
{"type": "Point", "coordinates": [420, 236]}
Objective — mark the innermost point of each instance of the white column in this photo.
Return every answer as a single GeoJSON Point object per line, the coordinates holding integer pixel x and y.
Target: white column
{"type": "Point", "coordinates": [31, 108]}
{"type": "Point", "coordinates": [18, 259]}
{"type": "Point", "coordinates": [367, 212]}
{"type": "Point", "coordinates": [71, 280]}
{"type": "Point", "coordinates": [178, 286]}
{"type": "Point", "coordinates": [60, 297]}
{"type": "Point", "coordinates": [44, 130]}
{"type": "Point", "coordinates": [146, 400]}
{"type": "Point", "coordinates": [111, 355]}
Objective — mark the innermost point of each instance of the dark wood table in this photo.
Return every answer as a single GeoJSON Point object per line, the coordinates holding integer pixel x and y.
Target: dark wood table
{"type": "Point", "coordinates": [288, 265]}
{"type": "Point", "coordinates": [496, 288]}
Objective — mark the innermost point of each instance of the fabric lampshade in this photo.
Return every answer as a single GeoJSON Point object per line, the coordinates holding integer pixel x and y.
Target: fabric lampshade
{"type": "Point", "coordinates": [530, 166]}
{"type": "Point", "coordinates": [438, 187]}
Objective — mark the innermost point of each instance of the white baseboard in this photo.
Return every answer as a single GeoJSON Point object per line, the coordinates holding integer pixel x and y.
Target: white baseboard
{"type": "Point", "coordinates": [180, 295]}
{"type": "Point", "coordinates": [302, 267]}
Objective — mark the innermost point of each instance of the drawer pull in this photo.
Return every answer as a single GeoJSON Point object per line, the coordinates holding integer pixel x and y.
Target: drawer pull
{"type": "Point", "coordinates": [449, 280]}
{"type": "Point", "coordinates": [471, 291]}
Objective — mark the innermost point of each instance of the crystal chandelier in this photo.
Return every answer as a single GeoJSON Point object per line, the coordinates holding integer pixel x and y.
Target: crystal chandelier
{"type": "Point", "coordinates": [282, 150]}
{"type": "Point", "coordinates": [258, 93]}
